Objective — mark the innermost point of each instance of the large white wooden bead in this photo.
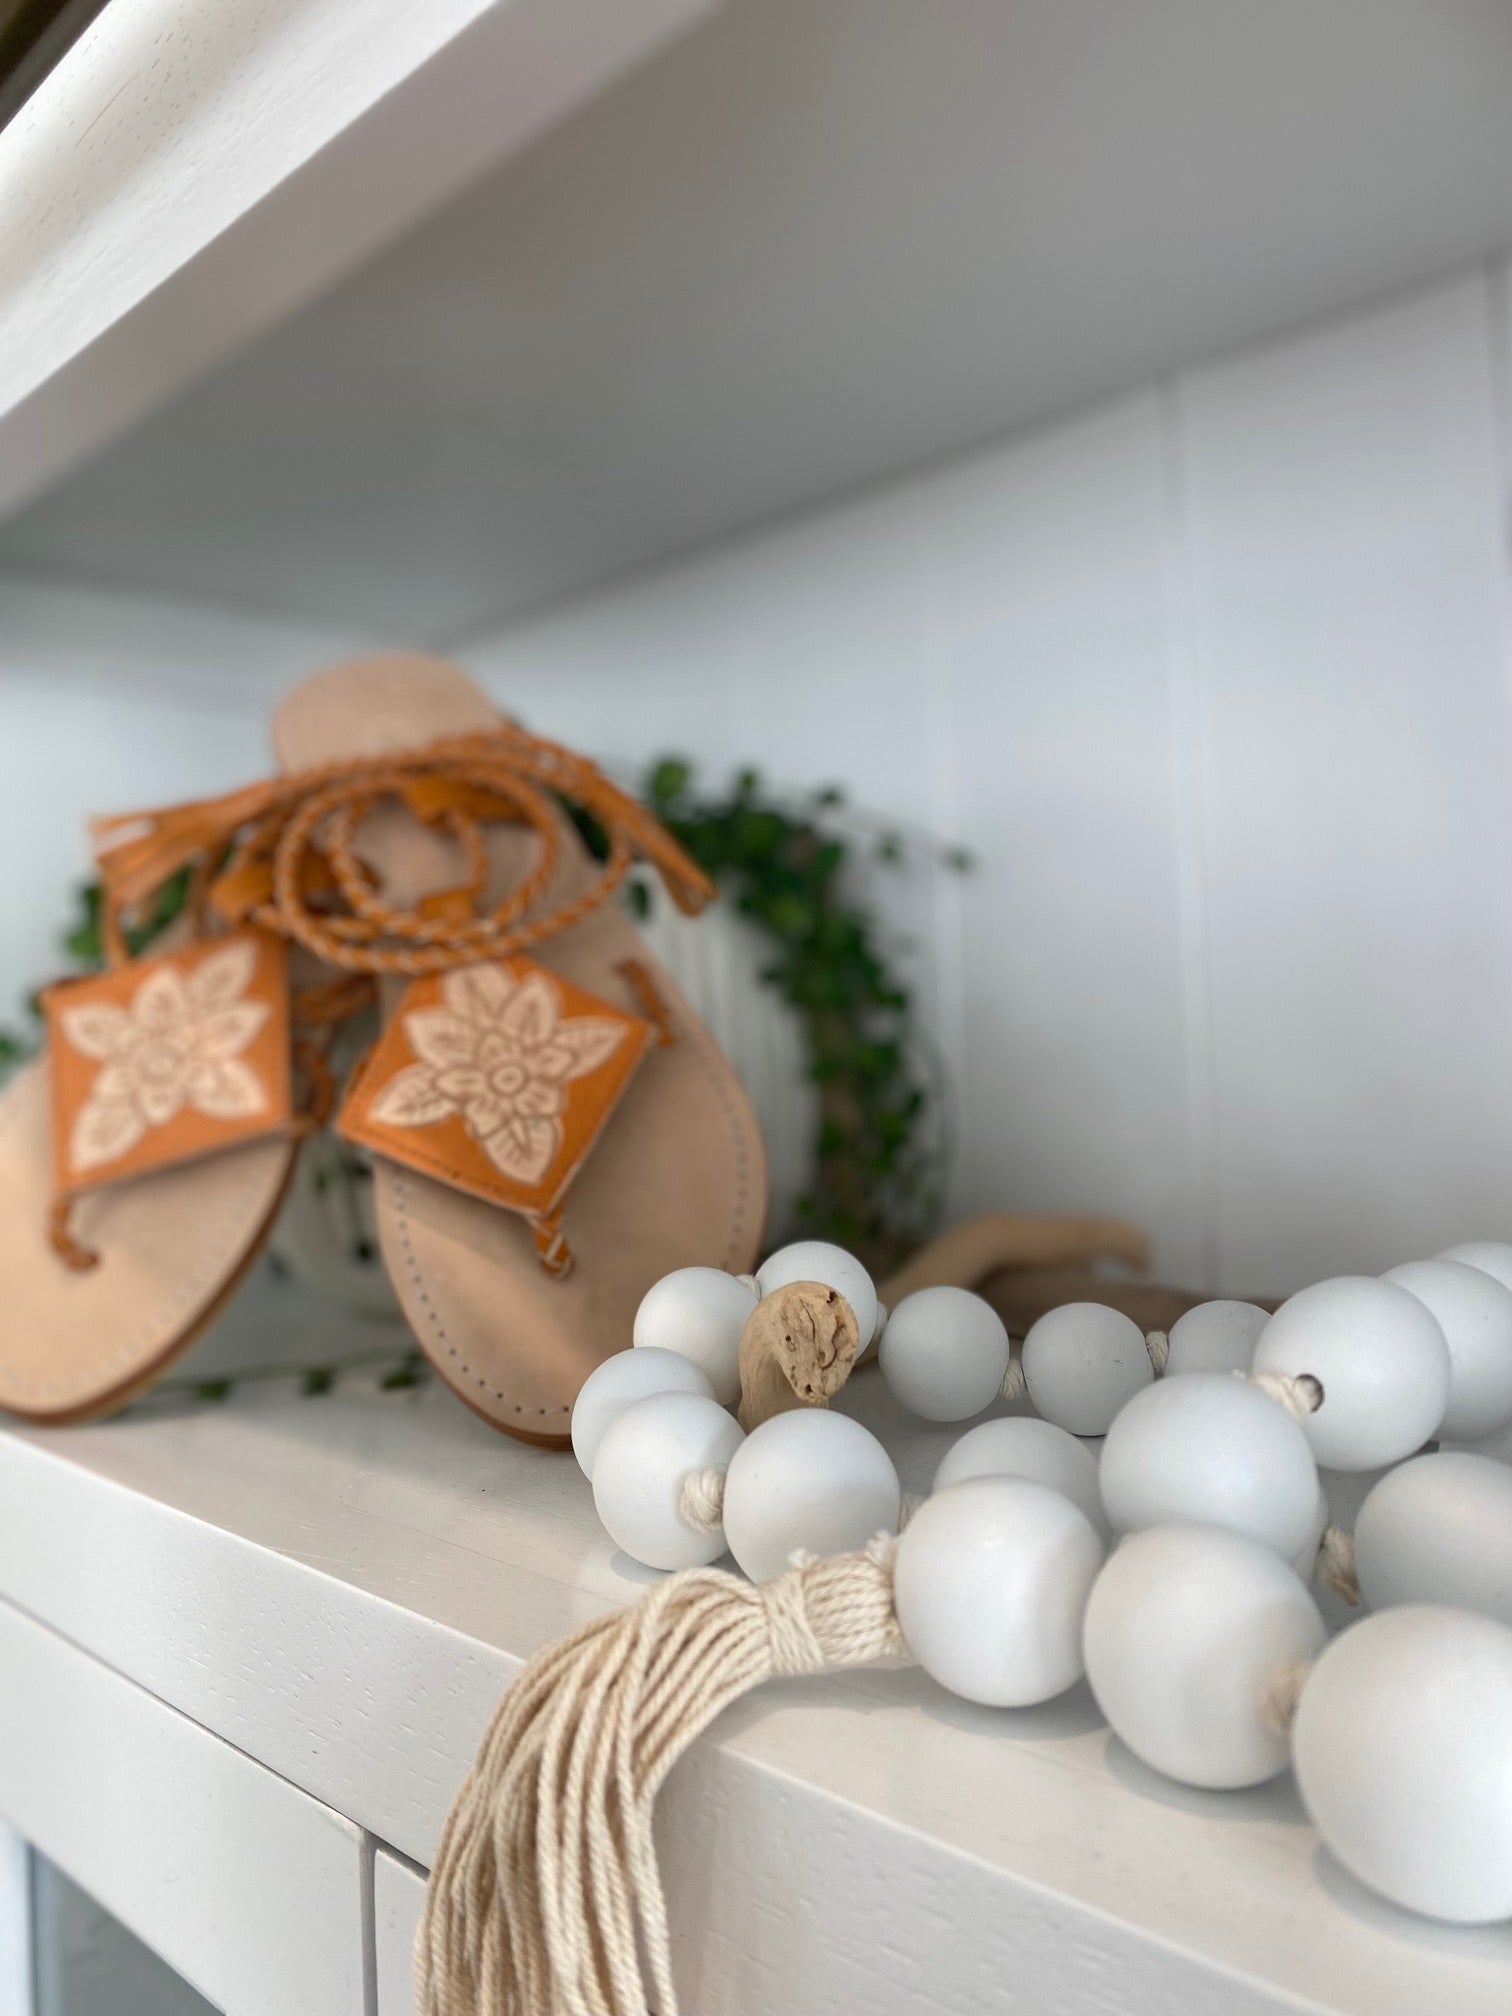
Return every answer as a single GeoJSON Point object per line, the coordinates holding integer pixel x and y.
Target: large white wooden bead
{"type": "Point", "coordinates": [808, 1479]}
{"type": "Point", "coordinates": [618, 1383]}
{"type": "Point", "coordinates": [1402, 1747]}
{"type": "Point", "coordinates": [1187, 1627]}
{"type": "Point", "coordinates": [699, 1312]}
{"type": "Point", "coordinates": [1439, 1530]}
{"type": "Point", "coordinates": [1492, 1256]}
{"type": "Point", "coordinates": [1082, 1363]}
{"type": "Point", "coordinates": [1019, 1445]}
{"type": "Point", "coordinates": [817, 1260]}
{"type": "Point", "coordinates": [990, 1584]}
{"type": "Point", "coordinates": [1210, 1448]}
{"type": "Point", "coordinates": [1380, 1358]}
{"type": "Point", "coordinates": [944, 1353]}
{"type": "Point", "coordinates": [1215, 1337]}
{"type": "Point", "coordinates": [638, 1472]}
{"type": "Point", "coordinates": [1474, 1311]}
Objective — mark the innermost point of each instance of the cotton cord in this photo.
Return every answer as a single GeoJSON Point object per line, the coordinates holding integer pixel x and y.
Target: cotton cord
{"type": "Point", "coordinates": [546, 1898]}
{"type": "Point", "coordinates": [1300, 1396]}
{"type": "Point", "coordinates": [1014, 1385]}
{"type": "Point", "coordinates": [1278, 1705]}
{"type": "Point", "coordinates": [1336, 1565]}
{"type": "Point", "coordinates": [1158, 1344]}
{"type": "Point", "coordinates": [700, 1500]}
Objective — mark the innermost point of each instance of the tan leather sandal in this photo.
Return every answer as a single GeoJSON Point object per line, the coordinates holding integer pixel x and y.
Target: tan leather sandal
{"type": "Point", "coordinates": [556, 1128]}
{"type": "Point", "coordinates": [142, 1162]}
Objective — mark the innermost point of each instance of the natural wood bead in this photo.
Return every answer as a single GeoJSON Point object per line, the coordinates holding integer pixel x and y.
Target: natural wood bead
{"type": "Point", "coordinates": [797, 1350]}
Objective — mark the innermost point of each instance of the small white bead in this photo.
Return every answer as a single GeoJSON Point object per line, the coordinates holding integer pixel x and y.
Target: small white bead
{"type": "Point", "coordinates": [1215, 1337]}
{"type": "Point", "coordinates": [944, 1353]}
{"type": "Point", "coordinates": [1492, 1256]}
{"type": "Point", "coordinates": [638, 1474]}
{"type": "Point", "coordinates": [1187, 1628]}
{"type": "Point", "coordinates": [1019, 1445]}
{"type": "Point", "coordinates": [618, 1383]}
{"type": "Point", "coordinates": [700, 1313]}
{"type": "Point", "coordinates": [808, 1479]}
{"type": "Point", "coordinates": [1082, 1363]}
{"type": "Point", "coordinates": [1439, 1530]}
{"type": "Point", "coordinates": [1474, 1311]}
{"type": "Point", "coordinates": [817, 1260]}
{"type": "Point", "coordinates": [1380, 1358]}
{"type": "Point", "coordinates": [990, 1584]}
{"type": "Point", "coordinates": [1402, 1747]}
{"type": "Point", "coordinates": [1209, 1448]}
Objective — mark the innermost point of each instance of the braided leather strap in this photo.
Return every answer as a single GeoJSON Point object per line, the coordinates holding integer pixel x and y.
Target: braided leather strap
{"type": "Point", "coordinates": [281, 855]}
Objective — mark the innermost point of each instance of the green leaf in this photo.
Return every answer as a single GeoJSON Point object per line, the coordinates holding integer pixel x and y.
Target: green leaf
{"type": "Point", "coordinates": [670, 779]}
{"type": "Point", "coordinates": [408, 1372]}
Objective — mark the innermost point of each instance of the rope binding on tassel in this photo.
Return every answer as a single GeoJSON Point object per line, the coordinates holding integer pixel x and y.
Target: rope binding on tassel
{"type": "Point", "coordinates": [546, 1898]}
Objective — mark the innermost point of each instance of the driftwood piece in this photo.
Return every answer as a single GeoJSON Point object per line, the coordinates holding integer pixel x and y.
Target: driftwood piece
{"type": "Point", "coordinates": [969, 1252]}
{"type": "Point", "coordinates": [1021, 1295]}
{"type": "Point", "coordinates": [996, 1243]}
{"type": "Point", "coordinates": [797, 1350]}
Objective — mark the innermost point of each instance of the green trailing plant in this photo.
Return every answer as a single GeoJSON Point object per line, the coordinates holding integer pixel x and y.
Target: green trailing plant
{"type": "Point", "coordinates": [790, 869]}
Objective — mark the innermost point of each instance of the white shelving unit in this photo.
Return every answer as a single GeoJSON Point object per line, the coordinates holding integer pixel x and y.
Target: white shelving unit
{"type": "Point", "coordinates": [936, 398]}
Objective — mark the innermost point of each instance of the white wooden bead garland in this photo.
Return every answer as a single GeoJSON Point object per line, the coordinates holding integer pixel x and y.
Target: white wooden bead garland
{"type": "Point", "coordinates": [1197, 1633]}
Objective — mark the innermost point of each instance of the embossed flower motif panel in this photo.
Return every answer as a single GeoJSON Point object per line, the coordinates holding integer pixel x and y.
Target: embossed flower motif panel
{"type": "Point", "coordinates": [496, 1077]}
{"type": "Point", "coordinates": [168, 1058]}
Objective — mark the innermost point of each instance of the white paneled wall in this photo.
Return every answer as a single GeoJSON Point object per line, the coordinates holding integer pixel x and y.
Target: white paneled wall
{"type": "Point", "coordinates": [107, 702]}
{"type": "Point", "coordinates": [1217, 686]}
{"type": "Point", "coordinates": [1346, 519]}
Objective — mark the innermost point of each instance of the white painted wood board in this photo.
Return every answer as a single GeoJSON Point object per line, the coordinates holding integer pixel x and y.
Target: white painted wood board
{"type": "Point", "coordinates": [1346, 510]}
{"type": "Point", "coordinates": [247, 1887]}
{"type": "Point", "coordinates": [189, 175]}
{"type": "Point", "coordinates": [341, 1589]}
{"type": "Point", "coordinates": [1050, 625]}
{"type": "Point", "coordinates": [398, 1897]}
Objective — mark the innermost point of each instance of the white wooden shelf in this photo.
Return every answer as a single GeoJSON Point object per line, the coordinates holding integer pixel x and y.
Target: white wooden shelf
{"type": "Point", "coordinates": [804, 249]}
{"type": "Point", "coordinates": [340, 1588]}
{"type": "Point", "coordinates": [189, 175]}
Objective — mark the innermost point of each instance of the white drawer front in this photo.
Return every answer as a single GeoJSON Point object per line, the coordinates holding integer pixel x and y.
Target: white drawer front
{"type": "Point", "coordinates": [248, 1888]}
{"type": "Point", "coordinates": [398, 1893]}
